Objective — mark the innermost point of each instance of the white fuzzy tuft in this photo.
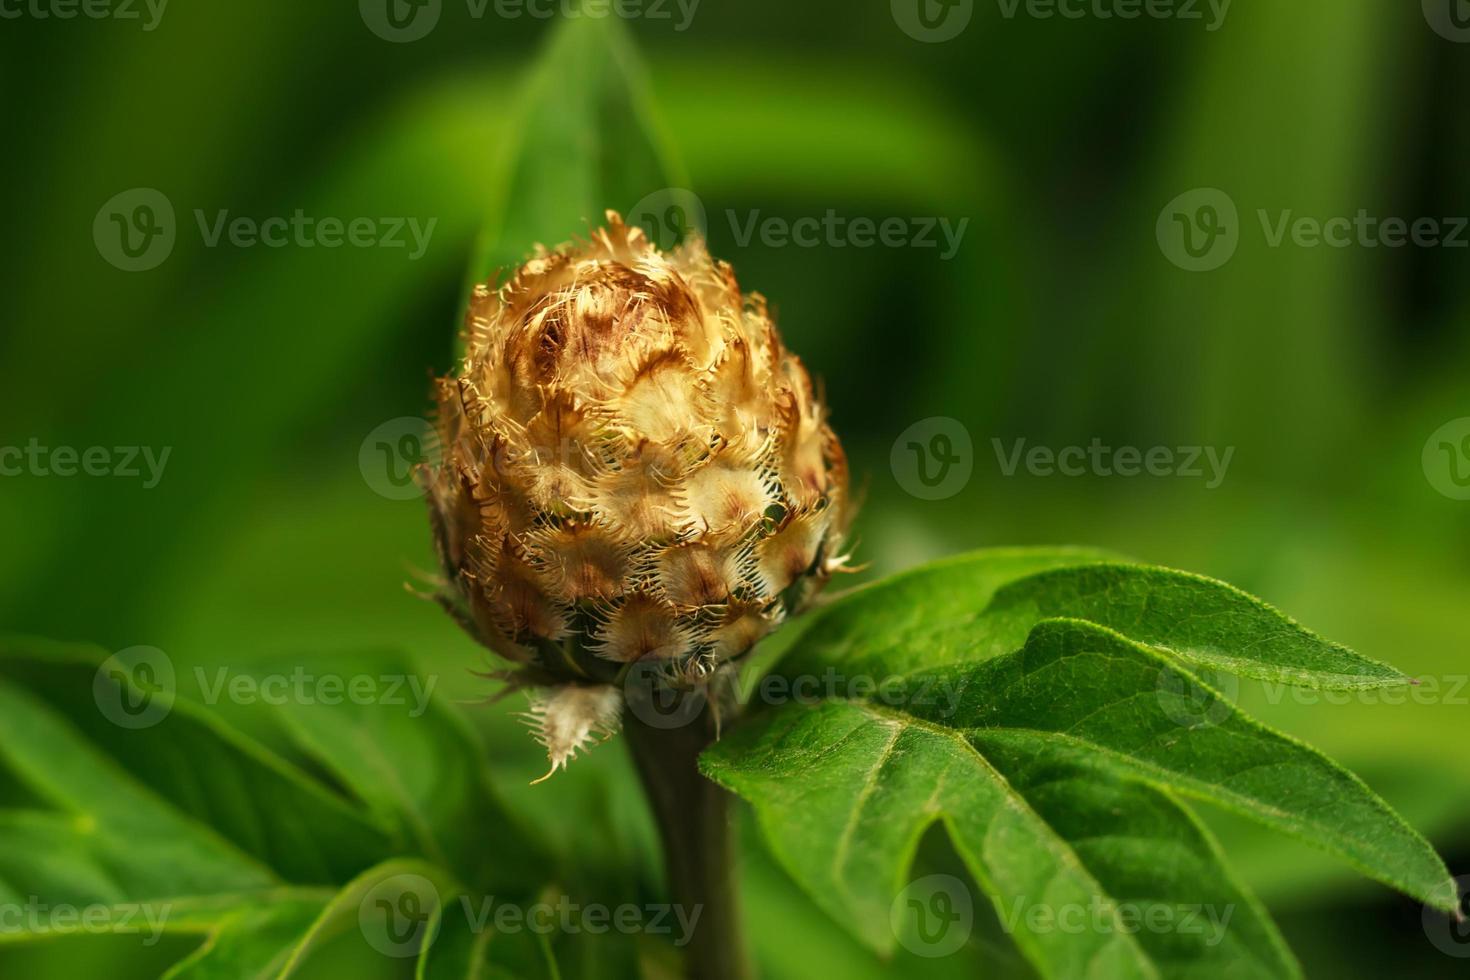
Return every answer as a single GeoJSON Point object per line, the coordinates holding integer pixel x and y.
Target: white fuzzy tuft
{"type": "Point", "coordinates": [569, 717]}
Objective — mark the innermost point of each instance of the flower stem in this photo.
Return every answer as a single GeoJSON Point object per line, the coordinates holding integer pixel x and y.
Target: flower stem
{"type": "Point", "coordinates": [695, 823]}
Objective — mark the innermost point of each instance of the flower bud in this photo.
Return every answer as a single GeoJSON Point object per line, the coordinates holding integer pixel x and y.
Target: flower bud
{"type": "Point", "coordinates": [633, 469]}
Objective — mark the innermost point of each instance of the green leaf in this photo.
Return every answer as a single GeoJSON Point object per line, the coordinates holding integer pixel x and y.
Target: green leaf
{"type": "Point", "coordinates": [586, 140]}
{"type": "Point", "coordinates": [418, 766]}
{"type": "Point", "coordinates": [845, 791]}
{"type": "Point", "coordinates": [983, 605]}
{"type": "Point", "coordinates": [466, 949]}
{"type": "Point", "coordinates": [396, 906]}
{"type": "Point", "coordinates": [1084, 694]}
{"type": "Point", "coordinates": [204, 768]}
{"type": "Point", "coordinates": [254, 943]}
{"type": "Point", "coordinates": [107, 838]}
{"type": "Point", "coordinates": [186, 826]}
{"type": "Point", "coordinates": [1058, 766]}
{"type": "Point", "coordinates": [903, 604]}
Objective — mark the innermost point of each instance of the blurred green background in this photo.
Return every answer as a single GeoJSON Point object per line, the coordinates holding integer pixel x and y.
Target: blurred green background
{"type": "Point", "coordinates": [1059, 320]}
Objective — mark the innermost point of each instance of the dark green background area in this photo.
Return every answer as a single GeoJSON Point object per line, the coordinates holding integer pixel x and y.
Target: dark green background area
{"type": "Point", "coordinates": [1060, 320]}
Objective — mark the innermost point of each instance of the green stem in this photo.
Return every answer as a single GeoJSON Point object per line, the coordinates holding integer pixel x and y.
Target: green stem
{"type": "Point", "coordinates": [695, 822]}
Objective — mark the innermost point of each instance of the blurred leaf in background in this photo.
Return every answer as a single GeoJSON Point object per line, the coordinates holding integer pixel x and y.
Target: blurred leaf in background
{"type": "Point", "coordinates": [1058, 320]}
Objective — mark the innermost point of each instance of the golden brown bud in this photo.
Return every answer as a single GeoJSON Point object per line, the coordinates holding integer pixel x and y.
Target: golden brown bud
{"type": "Point", "coordinates": [634, 468]}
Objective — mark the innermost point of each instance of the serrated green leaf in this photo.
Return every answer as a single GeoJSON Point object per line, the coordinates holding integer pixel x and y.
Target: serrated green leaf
{"type": "Point", "coordinates": [1055, 766]}
{"type": "Point", "coordinates": [902, 604]}
{"type": "Point", "coordinates": [844, 792]}
{"type": "Point", "coordinates": [984, 604]}
{"type": "Point", "coordinates": [1081, 693]}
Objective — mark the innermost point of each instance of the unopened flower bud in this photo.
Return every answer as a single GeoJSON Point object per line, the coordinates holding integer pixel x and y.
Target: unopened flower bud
{"type": "Point", "coordinates": [633, 469]}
